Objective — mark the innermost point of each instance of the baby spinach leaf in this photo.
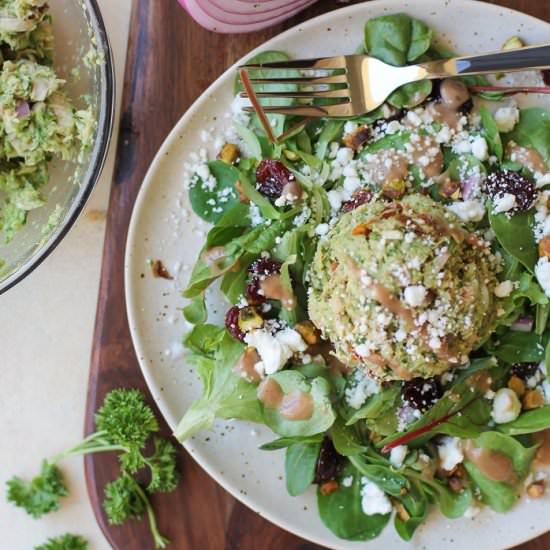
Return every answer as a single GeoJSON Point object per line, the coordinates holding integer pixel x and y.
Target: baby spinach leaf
{"type": "Point", "coordinates": [323, 414]}
{"type": "Point", "coordinates": [389, 141]}
{"type": "Point", "coordinates": [300, 464]}
{"type": "Point", "coordinates": [226, 395]}
{"type": "Point", "coordinates": [533, 130]}
{"type": "Point", "coordinates": [410, 95]}
{"type": "Point", "coordinates": [234, 282]}
{"type": "Point", "coordinates": [231, 225]}
{"type": "Point", "coordinates": [396, 39]}
{"type": "Point", "coordinates": [515, 235]}
{"type": "Point", "coordinates": [463, 166]}
{"type": "Point", "coordinates": [521, 456]}
{"type": "Point", "coordinates": [342, 513]}
{"type": "Point", "coordinates": [210, 202]}
{"type": "Point", "coordinates": [204, 339]}
{"type": "Point", "coordinates": [528, 422]}
{"type": "Point", "coordinates": [345, 440]}
{"type": "Point", "coordinates": [471, 422]}
{"type": "Point", "coordinates": [491, 133]}
{"type": "Point", "coordinates": [520, 347]}
{"type": "Point", "coordinates": [542, 313]}
{"type": "Point", "coordinates": [499, 496]}
{"type": "Point", "coordinates": [283, 442]}
{"type": "Point", "coordinates": [195, 312]}
{"type": "Point", "coordinates": [377, 405]}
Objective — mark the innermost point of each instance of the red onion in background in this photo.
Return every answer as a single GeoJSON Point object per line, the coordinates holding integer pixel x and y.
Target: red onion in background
{"type": "Point", "coordinates": [236, 16]}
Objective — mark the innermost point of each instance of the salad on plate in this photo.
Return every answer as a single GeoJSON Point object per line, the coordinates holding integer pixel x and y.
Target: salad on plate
{"type": "Point", "coordinates": [387, 281]}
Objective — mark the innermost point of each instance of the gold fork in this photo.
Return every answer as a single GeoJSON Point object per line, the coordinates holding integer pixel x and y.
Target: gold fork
{"type": "Point", "coordinates": [357, 84]}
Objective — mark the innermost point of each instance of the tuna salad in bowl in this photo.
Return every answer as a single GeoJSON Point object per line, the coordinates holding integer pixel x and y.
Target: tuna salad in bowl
{"type": "Point", "coordinates": [386, 282]}
{"type": "Point", "coordinates": [56, 102]}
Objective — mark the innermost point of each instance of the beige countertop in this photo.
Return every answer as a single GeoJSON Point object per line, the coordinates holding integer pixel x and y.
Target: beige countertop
{"type": "Point", "coordinates": [47, 323]}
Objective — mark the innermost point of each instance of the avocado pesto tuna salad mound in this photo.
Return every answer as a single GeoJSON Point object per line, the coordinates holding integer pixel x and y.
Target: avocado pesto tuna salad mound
{"type": "Point", "coordinates": [402, 289]}
{"type": "Point", "coordinates": [386, 282]}
{"type": "Point", "coordinates": [38, 121]}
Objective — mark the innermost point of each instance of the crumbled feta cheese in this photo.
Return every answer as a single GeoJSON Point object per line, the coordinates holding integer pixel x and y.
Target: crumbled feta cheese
{"type": "Point", "coordinates": [414, 119]}
{"type": "Point", "coordinates": [344, 155]}
{"type": "Point", "coordinates": [542, 272]}
{"type": "Point", "coordinates": [504, 202]}
{"type": "Point", "coordinates": [361, 387]}
{"type": "Point", "coordinates": [350, 127]}
{"type": "Point", "coordinates": [351, 183]}
{"type": "Point", "coordinates": [472, 511]}
{"type": "Point", "coordinates": [347, 481]}
{"type": "Point", "coordinates": [506, 118]}
{"type": "Point", "coordinates": [274, 350]}
{"type": "Point", "coordinates": [504, 289]}
{"type": "Point", "coordinates": [392, 235]}
{"type": "Point", "coordinates": [415, 295]}
{"type": "Point", "coordinates": [397, 455]}
{"type": "Point", "coordinates": [393, 127]}
{"type": "Point", "coordinates": [468, 211]}
{"type": "Point", "coordinates": [543, 179]}
{"type": "Point", "coordinates": [335, 199]}
{"type": "Point", "coordinates": [450, 453]}
{"type": "Point", "coordinates": [506, 406]}
{"type": "Point", "coordinates": [322, 229]}
{"type": "Point", "coordinates": [373, 499]}
{"type": "Point", "coordinates": [479, 148]}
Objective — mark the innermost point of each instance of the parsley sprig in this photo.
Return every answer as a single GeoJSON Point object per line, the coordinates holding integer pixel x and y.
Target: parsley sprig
{"type": "Point", "coordinates": [125, 423]}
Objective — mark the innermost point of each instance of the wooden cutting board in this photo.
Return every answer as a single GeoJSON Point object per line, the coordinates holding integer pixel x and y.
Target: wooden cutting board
{"type": "Point", "coordinates": [170, 61]}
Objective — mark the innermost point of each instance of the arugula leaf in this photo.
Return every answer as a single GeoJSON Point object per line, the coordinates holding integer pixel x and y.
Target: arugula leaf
{"type": "Point", "coordinates": [226, 396]}
{"type": "Point", "coordinates": [64, 542]}
{"type": "Point", "coordinates": [42, 494]}
{"type": "Point", "coordinates": [533, 130]}
{"type": "Point", "coordinates": [323, 414]}
{"type": "Point", "coordinates": [491, 133]}
{"type": "Point", "coordinates": [342, 513]}
{"type": "Point", "coordinates": [499, 496]}
{"type": "Point", "coordinates": [515, 235]}
{"type": "Point", "coordinates": [300, 465]}
{"type": "Point", "coordinates": [211, 202]}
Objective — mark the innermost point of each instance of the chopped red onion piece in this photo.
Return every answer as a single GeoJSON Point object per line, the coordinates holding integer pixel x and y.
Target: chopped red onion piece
{"type": "Point", "coordinates": [23, 109]}
{"type": "Point", "coordinates": [522, 324]}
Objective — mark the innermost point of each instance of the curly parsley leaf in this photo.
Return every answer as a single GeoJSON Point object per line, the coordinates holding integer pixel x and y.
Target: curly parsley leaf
{"type": "Point", "coordinates": [64, 542]}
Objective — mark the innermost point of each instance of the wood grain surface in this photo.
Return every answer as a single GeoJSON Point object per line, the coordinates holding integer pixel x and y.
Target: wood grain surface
{"type": "Point", "coordinates": [170, 61]}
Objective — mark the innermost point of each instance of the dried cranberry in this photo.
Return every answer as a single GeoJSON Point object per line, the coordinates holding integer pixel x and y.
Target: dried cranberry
{"type": "Point", "coordinates": [545, 73]}
{"type": "Point", "coordinates": [421, 393]}
{"type": "Point", "coordinates": [329, 463]}
{"type": "Point", "coordinates": [232, 323]}
{"type": "Point", "coordinates": [507, 181]}
{"type": "Point", "coordinates": [263, 267]}
{"type": "Point", "coordinates": [271, 177]}
{"type": "Point", "coordinates": [361, 196]}
{"type": "Point", "coordinates": [252, 292]}
{"type": "Point", "coordinates": [524, 370]}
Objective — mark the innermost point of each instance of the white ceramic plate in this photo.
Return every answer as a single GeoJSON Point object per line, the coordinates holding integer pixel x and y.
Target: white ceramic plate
{"type": "Point", "coordinates": [163, 227]}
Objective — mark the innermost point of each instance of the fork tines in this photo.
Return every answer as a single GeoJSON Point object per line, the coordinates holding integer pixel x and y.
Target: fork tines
{"type": "Point", "coordinates": [321, 78]}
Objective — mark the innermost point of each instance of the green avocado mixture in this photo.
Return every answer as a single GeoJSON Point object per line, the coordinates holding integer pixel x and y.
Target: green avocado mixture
{"type": "Point", "coordinates": [434, 277]}
{"type": "Point", "coordinates": [38, 121]}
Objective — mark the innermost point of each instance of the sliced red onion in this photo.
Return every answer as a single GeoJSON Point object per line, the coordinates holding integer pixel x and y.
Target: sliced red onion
{"type": "Point", "coordinates": [23, 109]}
{"type": "Point", "coordinates": [212, 16]}
{"type": "Point", "coordinates": [522, 324]}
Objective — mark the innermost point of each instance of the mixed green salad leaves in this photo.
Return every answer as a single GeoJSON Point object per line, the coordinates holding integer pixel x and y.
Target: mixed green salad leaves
{"type": "Point", "coordinates": [390, 445]}
{"type": "Point", "coordinates": [38, 122]}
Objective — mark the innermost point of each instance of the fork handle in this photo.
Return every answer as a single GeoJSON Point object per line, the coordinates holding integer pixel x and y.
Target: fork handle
{"type": "Point", "coordinates": [532, 57]}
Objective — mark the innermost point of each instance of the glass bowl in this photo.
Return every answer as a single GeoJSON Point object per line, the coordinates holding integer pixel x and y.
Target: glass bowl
{"type": "Point", "coordinates": [78, 26]}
